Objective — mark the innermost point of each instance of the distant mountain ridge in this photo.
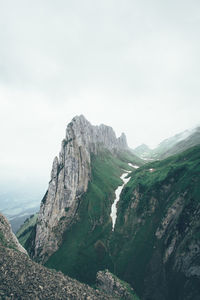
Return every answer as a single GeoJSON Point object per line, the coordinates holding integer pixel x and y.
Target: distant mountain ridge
{"type": "Point", "coordinates": [142, 150]}
{"type": "Point", "coordinates": [173, 145]}
{"type": "Point", "coordinates": [187, 140]}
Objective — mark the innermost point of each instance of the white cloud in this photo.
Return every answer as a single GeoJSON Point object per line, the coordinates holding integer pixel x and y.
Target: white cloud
{"type": "Point", "coordinates": [133, 65]}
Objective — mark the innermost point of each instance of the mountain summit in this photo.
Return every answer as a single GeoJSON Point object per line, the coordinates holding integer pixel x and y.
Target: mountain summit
{"type": "Point", "coordinates": [70, 175]}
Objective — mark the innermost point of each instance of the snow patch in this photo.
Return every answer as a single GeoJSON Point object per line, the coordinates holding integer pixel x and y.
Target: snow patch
{"type": "Point", "coordinates": [118, 191]}
{"type": "Point", "coordinates": [133, 166]}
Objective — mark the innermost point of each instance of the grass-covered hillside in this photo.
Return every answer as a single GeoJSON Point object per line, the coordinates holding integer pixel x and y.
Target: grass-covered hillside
{"type": "Point", "coordinates": [26, 229]}
{"type": "Point", "coordinates": [85, 247]}
{"type": "Point", "coordinates": [156, 244]}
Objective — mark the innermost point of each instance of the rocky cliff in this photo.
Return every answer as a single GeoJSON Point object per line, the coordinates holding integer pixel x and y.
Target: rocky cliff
{"type": "Point", "coordinates": [70, 175]}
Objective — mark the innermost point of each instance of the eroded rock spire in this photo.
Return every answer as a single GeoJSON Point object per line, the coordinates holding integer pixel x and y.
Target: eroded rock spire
{"type": "Point", "coordinates": [70, 176]}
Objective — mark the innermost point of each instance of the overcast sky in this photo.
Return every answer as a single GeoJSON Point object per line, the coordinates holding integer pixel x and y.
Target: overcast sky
{"type": "Point", "coordinates": [130, 64]}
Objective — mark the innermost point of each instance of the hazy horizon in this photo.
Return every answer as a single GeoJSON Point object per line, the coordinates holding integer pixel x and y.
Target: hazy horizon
{"type": "Point", "coordinates": [132, 65]}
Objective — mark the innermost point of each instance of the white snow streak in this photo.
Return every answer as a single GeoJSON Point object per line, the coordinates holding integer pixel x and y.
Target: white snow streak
{"type": "Point", "coordinates": [133, 166]}
{"type": "Point", "coordinates": [118, 191]}
{"type": "Point", "coordinates": [117, 194]}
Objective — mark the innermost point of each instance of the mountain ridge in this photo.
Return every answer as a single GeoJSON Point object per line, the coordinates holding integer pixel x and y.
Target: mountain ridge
{"type": "Point", "coordinates": [70, 176]}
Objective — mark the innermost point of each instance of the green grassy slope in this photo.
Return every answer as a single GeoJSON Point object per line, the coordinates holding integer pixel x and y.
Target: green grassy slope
{"type": "Point", "coordinates": [166, 200]}
{"type": "Point", "coordinates": [25, 230]}
{"type": "Point", "coordinates": [85, 247]}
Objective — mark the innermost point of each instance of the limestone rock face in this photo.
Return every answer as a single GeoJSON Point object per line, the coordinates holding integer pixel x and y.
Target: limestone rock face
{"type": "Point", "coordinates": [69, 180]}
{"type": "Point", "coordinates": [7, 237]}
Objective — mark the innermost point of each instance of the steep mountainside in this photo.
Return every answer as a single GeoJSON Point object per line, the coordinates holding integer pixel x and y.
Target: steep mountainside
{"type": "Point", "coordinates": [156, 243]}
{"type": "Point", "coordinates": [21, 278]}
{"type": "Point", "coordinates": [70, 176]}
{"type": "Point", "coordinates": [73, 225]}
{"type": "Point", "coordinates": [26, 229]}
{"type": "Point", "coordinates": [85, 247]}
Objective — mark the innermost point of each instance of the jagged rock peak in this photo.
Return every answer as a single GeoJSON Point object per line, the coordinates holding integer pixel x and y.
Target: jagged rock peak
{"type": "Point", "coordinates": [93, 136]}
{"type": "Point", "coordinates": [123, 141]}
{"type": "Point", "coordinates": [70, 175]}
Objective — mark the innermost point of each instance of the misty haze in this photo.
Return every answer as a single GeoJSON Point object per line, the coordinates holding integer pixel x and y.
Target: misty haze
{"type": "Point", "coordinates": [100, 149]}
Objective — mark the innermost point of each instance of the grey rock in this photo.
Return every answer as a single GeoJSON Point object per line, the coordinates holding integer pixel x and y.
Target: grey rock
{"type": "Point", "coordinates": [111, 285]}
{"type": "Point", "coordinates": [7, 237]}
{"type": "Point", "coordinates": [21, 278]}
{"type": "Point", "coordinates": [70, 176]}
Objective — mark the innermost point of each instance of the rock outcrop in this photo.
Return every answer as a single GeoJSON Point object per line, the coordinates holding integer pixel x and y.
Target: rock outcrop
{"type": "Point", "coordinates": [111, 285]}
{"type": "Point", "coordinates": [69, 181]}
{"type": "Point", "coordinates": [21, 278]}
{"type": "Point", "coordinates": [7, 237]}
